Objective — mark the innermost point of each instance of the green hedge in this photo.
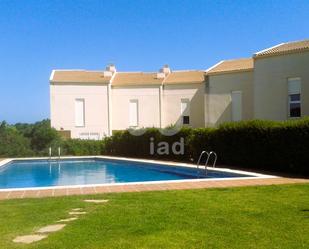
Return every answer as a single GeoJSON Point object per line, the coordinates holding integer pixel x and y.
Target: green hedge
{"type": "Point", "coordinates": [264, 145]}
{"type": "Point", "coordinates": [123, 143]}
{"type": "Point", "coordinates": [275, 146]}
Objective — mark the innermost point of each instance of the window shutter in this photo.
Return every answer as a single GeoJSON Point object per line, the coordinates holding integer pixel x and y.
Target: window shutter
{"type": "Point", "coordinates": [185, 107]}
{"type": "Point", "coordinates": [294, 85]}
{"type": "Point", "coordinates": [133, 113]}
{"type": "Point", "coordinates": [79, 112]}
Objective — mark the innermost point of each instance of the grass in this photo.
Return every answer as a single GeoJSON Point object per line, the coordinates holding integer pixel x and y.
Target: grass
{"type": "Point", "coordinates": [247, 217]}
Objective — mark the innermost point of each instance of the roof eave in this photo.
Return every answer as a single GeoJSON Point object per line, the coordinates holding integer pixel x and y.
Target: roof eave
{"type": "Point", "coordinates": [184, 82]}
{"type": "Point", "coordinates": [136, 84]}
{"type": "Point", "coordinates": [296, 51]}
{"type": "Point", "coordinates": [78, 82]}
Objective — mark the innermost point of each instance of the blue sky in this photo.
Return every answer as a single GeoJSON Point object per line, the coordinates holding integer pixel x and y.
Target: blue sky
{"type": "Point", "coordinates": [38, 36]}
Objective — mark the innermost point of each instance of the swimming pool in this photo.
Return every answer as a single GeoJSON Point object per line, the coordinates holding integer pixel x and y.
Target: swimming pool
{"type": "Point", "coordinates": [89, 171]}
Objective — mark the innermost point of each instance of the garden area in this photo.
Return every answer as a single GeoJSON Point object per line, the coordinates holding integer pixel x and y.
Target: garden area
{"type": "Point", "coordinates": [247, 217]}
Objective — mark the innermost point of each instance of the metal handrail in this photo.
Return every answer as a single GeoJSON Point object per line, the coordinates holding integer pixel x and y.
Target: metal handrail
{"type": "Point", "coordinates": [59, 153]}
{"type": "Point", "coordinates": [209, 155]}
{"type": "Point", "coordinates": [50, 153]}
{"type": "Point", "coordinates": [199, 160]}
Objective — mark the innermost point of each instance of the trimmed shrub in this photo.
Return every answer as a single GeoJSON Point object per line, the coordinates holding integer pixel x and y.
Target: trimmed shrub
{"type": "Point", "coordinates": [123, 143]}
{"type": "Point", "coordinates": [267, 145]}
{"type": "Point", "coordinates": [264, 145]}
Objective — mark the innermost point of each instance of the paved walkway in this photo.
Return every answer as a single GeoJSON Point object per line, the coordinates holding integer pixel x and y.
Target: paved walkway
{"type": "Point", "coordinates": [147, 187]}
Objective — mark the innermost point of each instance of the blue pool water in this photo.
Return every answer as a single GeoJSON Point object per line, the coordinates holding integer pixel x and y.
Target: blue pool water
{"type": "Point", "coordinates": [43, 173]}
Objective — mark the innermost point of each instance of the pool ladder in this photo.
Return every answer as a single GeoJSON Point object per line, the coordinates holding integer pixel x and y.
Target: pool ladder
{"type": "Point", "coordinates": [50, 153]}
{"type": "Point", "coordinates": [209, 154]}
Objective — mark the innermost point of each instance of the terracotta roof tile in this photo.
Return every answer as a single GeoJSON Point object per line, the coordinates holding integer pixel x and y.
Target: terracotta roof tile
{"type": "Point", "coordinates": [79, 76]}
{"type": "Point", "coordinates": [230, 66]}
{"type": "Point", "coordinates": [178, 77]}
{"type": "Point", "coordinates": [136, 78]}
{"type": "Point", "coordinates": [284, 48]}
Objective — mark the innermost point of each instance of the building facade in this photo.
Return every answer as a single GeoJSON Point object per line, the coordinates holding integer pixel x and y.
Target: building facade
{"type": "Point", "coordinates": [273, 84]}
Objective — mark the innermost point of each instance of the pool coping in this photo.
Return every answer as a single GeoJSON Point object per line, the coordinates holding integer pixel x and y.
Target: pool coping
{"type": "Point", "coordinates": [252, 179]}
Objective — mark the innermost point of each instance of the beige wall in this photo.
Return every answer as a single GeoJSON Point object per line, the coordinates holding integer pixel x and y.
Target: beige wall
{"type": "Point", "coordinates": [271, 87]}
{"type": "Point", "coordinates": [171, 104]}
{"type": "Point", "coordinates": [148, 106]}
{"type": "Point", "coordinates": [218, 108]}
{"type": "Point", "coordinates": [62, 104]}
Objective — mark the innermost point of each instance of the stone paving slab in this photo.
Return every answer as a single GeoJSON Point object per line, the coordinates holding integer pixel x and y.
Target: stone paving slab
{"type": "Point", "coordinates": [28, 239]}
{"type": "Point", "coordinates": [10, 194]}
{"type": "Point", "coordinates": [96, 201]}
{"type": "Point", "coordinates": [76, 213]}
{"type": "Point", "coordinates": [51, 228]}
{"type": "Point", "coordinates": [67, 220]}
{"type": "Point", "coordinates": [3, 195]}
{"type": "Point", "coordinates": [74, 191]}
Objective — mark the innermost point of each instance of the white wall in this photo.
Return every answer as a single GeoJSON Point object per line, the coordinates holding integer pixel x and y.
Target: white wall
{"type": "Point", "coordinates": [148, 106]}
{"type": "Point", "coordinates": [62, 104]}
{"type": "Point", "coordinates": [171, 104]}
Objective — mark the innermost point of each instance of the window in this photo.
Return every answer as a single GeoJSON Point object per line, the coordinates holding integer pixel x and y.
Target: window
{"type": "Point", "coordinates": [294, 98]}
{"type": "Point", "coordinates": [185, 111]}
{"type": "Point", "coordinates": [236, 105]}
{"type": "Point", "coordinates": [79, 112]}
{"type": "Point", "coordinates": [185, 120]}
{"type": "Point", "coordinates": [133, 113]}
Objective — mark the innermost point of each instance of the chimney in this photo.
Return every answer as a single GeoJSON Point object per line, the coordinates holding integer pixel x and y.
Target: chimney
{"type": "Point", "coordinates": [165, 69]}
{"type": "Point", "coordinates": [163, 72]}
{"type": "Point", "coordinates": [160, 75]}
{"type": "Point", "coordinates": [109, 70]}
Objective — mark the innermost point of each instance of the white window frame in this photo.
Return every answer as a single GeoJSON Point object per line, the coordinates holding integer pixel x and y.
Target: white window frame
{"type": "Point", "coordinates": [133, 121]}
{"type": "Point", "coordinates": [293, 92]}
{"type": "Point", "coordinates": [77, 122]}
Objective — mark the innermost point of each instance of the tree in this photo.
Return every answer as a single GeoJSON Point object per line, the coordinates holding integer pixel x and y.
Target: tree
{"type": "Point", "coordinates": [12, 143]}
{"type": "Point", "coordinates": [43, 136]}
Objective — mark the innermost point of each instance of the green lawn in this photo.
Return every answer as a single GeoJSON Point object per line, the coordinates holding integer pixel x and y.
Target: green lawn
{"type": "Point", "coordinates": [251, 217]}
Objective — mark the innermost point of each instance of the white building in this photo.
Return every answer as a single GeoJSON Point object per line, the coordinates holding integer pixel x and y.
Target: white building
{"type": "Point", "coordinates": [273, 84]}
{"type": "Point", "coordinates": [92, 104]}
